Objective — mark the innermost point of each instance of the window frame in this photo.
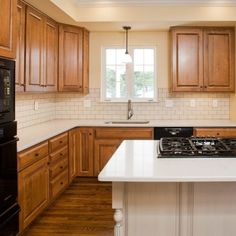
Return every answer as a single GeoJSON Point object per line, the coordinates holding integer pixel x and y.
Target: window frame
{"type": "Point", "coordinates": [129, 70]}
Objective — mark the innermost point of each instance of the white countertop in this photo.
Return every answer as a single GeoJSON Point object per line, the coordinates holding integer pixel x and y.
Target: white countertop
{"type": "Point", "coordinates": [35, 134]}
{"type": "Point", "coordinates": [136, 161]}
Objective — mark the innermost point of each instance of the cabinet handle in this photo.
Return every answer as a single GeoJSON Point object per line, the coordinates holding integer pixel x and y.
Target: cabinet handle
{"type": "Point", "coordinates": [201, 86]}
{"type": "Point", "coordinates": [61, 154]}
{"type": "Point", "coordinates": [205, 86]}
{"type": "Point", "coordinates": [61, 167]}
{"type": "Point", "coordinates": [36, 154]}
{"type": "Point", "coordinates": [61, 183]}
{"type": "Point", "coordinates": [61, 141]}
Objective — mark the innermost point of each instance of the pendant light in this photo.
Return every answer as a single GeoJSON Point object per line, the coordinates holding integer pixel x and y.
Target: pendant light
{"type": "Point", "coordinates": [127, 58]}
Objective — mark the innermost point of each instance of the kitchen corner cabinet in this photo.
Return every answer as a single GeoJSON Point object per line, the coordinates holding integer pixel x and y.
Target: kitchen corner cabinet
{"type": "Point", "coordinates": [41, 52]}
{"type": "Point", "coordinates": [33, 183]}
{"type": "Point", "coordinates": [107, 140]}
{"type": "Point", "coordinates": [8, 28]}
{"type": "Point", "coordinates": [215, 132]}
{"type": "Point", "coordinates": [73, 150]}
{"type": "Point", "coordinates": [20, 48]}
{"type": "Point", "coordinates": [85, 153]}
{"type": "Point", "coordinates": [73, 59]}
{"type": "Point", "coordinates": [202, 59]}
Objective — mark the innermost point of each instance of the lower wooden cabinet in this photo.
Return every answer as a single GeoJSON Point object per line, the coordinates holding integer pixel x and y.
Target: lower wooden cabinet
{"type": "Point", "coordinates": [215, 132]}
{"type": "Point", "coordinates": [103, 150]}
{"type": "Point", "coordinates": [85, 153]}
{"type": "Point", "coordinates": [107, 140]}
{"type": "Point", "coordinates": [73, 153]}
{"type": "Point", "coordinates": [33, 188]}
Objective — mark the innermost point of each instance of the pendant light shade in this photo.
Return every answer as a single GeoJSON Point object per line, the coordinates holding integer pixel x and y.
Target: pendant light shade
{"type": "Point", "coordinates": [127, 58]}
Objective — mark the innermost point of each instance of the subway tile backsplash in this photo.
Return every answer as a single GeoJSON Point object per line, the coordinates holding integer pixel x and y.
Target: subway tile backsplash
{"type": "Point", "coordinates": [171, 106]}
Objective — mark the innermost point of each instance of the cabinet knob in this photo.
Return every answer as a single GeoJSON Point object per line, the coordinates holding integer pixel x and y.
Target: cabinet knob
{"type": "Point", "coordinates": [36, 154]}
{"type": "Point", "coordinates": [205, 86]}
{"type": "Point", "coordinates": [61, 183]}
{"type": "Point", "coordinates": [61, 167]}
{"type": "Point", "coordinates": [61, 154]}
{"type": "Point", "coordinates": [61, 142]}
{"type": "Point", "coordinates": [201, 86]}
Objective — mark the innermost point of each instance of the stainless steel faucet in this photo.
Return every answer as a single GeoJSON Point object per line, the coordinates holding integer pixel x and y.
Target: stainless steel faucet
{"type": "Point", "coordinates": [130, 112]}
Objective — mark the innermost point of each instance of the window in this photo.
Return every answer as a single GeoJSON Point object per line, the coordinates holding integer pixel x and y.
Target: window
{"type": "Point", "coordinates": [136, 81]}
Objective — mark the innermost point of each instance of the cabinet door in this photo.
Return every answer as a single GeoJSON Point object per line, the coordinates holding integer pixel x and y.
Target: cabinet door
{"type": "Point", "coordinates": [219, 60]}
{"type": "Point", "coordinates": [8, 28]}
{"type": "Point", "coordinates": [70, 58]}
{"type": "Point", "coordinates": [51, 55]}
{"type": "Point", "coordinates": [187, 59]}
{"type": "Point", "coordinates": [215, 132]}
{"type": "Point", "coordinates": [73, 153]}
{"type": "Point", "coordinates": [34, 50]}
{"type": "Point", "coordinates": [85, 145]}
{"type": "Point", "coordinates": [103, 150]}
{"type": "Point", "coordinates": [85, 61]}
{"type": "Point", "coordinates": [33, 191]}
{"type": "Point", "coordinates": [20, 48]}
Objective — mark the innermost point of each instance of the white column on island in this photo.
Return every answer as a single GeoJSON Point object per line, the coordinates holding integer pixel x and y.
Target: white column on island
{"type": "Point", "coordinates": [119, 206]}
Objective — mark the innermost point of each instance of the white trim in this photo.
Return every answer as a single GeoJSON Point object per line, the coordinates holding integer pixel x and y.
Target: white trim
{"type": "Point", "coordinates": [129, 68]}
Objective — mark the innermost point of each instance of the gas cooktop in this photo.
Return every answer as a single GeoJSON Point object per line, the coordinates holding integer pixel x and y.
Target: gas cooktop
{"type": "Point", "coordinates": [176, 147]}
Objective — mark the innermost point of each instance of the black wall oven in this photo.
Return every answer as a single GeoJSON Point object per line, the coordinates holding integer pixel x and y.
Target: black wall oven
{"type": "Point", "coordinates": [9, 208]}
{"type": "Point", "coordinates": [7, 90]}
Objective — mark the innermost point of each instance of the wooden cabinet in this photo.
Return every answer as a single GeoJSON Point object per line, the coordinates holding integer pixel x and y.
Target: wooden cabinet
{"type": "Point", "coordinates": [8, 28]}
{"type": "Point", "coordinates": [41, 52]}
{"type": "Point", "coordinates": [20, 48]}
{"type": "Point", "coordinates": [58, 164]}
{"type": "Point", "coordinates": [202, 59]}
{"type": "Point", "coordinates": [85, 153]}
{"type": "Point", "coordinates": [73, 153]}
{"type": "Point", "coordinates": [107, 140]}
{"type": "Point", "coordinates": [215, 132]}
{"type": "Point", "coordinates": [51, 55]}
{"type": "Point", "coordinates": [33, 183]}
{"type": "Point", "coordinates": [73, 59]}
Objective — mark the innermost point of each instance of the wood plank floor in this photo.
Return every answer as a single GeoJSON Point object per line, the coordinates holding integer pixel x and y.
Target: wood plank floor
{"type": "Point", "coordinates": [83, 209]}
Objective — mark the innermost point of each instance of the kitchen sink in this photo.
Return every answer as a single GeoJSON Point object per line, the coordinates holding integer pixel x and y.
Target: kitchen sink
{"type": "Point", "coordinates": [127, 122]}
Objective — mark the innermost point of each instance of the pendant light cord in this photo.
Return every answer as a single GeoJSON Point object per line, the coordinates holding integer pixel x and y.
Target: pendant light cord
{"type": "Point", "coordinates": [126, 28]}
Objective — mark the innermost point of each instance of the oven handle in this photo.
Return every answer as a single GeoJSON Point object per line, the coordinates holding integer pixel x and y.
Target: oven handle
{"type": "Point", "coordinates": [8, 142]}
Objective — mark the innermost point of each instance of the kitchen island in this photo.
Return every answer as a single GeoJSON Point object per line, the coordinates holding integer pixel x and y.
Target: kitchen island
{"type": "Point", "coordinates": [170, 197]}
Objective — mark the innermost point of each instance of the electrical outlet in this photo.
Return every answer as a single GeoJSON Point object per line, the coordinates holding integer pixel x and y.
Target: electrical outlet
{"type": "Point", "coordinates": [87, 103]}
{"type": "Point", "coordinates": [192, 103]}
{"type": "Point", "coordinates": [214, 103]}
{"type": "Point", "coordinates": [36, 105]}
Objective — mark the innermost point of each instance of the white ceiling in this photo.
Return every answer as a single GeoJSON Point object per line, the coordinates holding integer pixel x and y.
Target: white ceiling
{"type": "Point", "coordinates": [152, 2]}
{"type": "Point", "coordinates": [146, 18]}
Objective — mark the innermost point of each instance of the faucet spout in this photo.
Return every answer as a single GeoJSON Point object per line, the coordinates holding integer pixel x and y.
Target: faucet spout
{"type": "Point", "coordinates": [130, 112]}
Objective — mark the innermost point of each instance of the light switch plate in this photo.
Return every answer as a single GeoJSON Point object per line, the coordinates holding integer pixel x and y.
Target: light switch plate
{"type": "Point", "coordinates": [169, 103]}
{"type": "Point", "coordinates": [36, 105]}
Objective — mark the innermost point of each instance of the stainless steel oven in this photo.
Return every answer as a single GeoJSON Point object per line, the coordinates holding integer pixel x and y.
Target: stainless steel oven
{"type": "Point", "coordinates": [7, 90]}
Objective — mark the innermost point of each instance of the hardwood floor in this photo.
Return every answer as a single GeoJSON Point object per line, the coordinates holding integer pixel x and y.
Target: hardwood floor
{"type": "Point", "coordinates": [83, 209]}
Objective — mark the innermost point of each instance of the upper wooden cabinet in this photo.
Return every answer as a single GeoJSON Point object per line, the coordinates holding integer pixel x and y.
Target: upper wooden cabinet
{"type": "Point", "coordinates": [20, 48]}
{"type": "Point", "coordinates": [8, 28]}
{"type": "Point", "coordinates": [73, 59]}
{"type": "Point", "coordinates": [41, 52]}
{"type": "Point", "coordinates": [202, 59]}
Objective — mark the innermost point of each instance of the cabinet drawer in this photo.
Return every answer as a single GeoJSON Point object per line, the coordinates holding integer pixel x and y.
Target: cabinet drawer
{"type": "Point", "coordinates": [124, 133]}
{"type": "Point", "coordinates": [58, 142]}
{"type": "Point", "coordinates": [31, 155]}
{"type": "Point", "coordinates": [61, 153]}
{"type": "Point", "coordinates": [215, 132]}
{"type": "Point", "coordinates": [58, 167]}
{"type": "Point", "coordinates": [59, 183]}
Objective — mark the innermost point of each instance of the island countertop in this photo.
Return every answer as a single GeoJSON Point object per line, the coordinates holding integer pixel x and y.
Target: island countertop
{"type": "Point", "coordinates": [136, 161]}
